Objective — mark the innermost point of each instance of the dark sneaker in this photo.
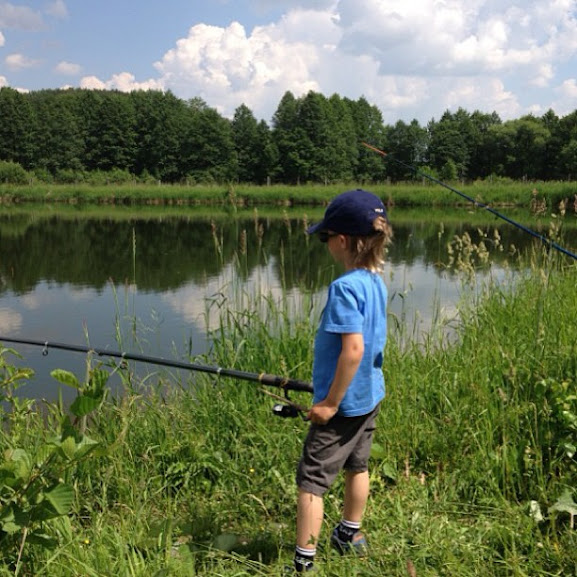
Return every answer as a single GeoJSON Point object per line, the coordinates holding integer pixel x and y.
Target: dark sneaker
{"type": "Point", "coordinates": [357, 545]}
{"type": "Point", "coordinates": [292, 569]}
{"type": "Point", "coordinates": [301, 564]}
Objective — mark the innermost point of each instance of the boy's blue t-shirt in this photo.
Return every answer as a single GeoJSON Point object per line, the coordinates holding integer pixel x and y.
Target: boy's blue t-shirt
{"type": "Point", "coordinates": [356, 303]}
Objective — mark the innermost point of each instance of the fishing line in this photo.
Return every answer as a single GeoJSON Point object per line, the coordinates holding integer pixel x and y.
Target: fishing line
{"type": "Point", "coordinates": [546, 241]}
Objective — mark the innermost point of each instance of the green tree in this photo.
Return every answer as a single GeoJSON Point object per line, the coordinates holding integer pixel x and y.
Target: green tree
{"type": "Point", "coordinates": [551, 168]}
{"type": "Point", "coordinates": [501, 153]}
{"type": "Point", "coordinates": [246, 137]}
{"type": "Point", "coordinates": [481, 144]}
{"type": "Point", "coordinates": [315, 118]}
{"type": "Point", "coordinates": [291, 140]}
{"type": "Point", "coordinates": [368, 125]}
{"type": "Point", "coordinates": [208, 150]}
{"type": "Point", "coordinates": [565, 132]}
{"type": "Point", "coordinates": [111, 132]}
{"type": "Point", "coordinates": [344, 144]}
{"type": "Point", "coordinates": [59, 140]}
{"type": "Point", "coordinates": [408, 144]}
{"type": "Point", "coordinates": [160, 121]}
{"type": "Point", "coordinates": [568, 159]}
{"type": "Point", "coordinates": [17, 127]}
{"type": "Point", "coordinates": [449, 140]}
{"type": "Point", "coordinates": [267, 154]}
{"type": "Point", "coordinates": [531, 139]}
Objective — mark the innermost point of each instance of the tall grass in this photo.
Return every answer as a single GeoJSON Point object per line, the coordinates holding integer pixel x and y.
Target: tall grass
{"type": "Point", "coordinates": [543, 195]}
{"type": "Point", "coordinates": [473, 469]}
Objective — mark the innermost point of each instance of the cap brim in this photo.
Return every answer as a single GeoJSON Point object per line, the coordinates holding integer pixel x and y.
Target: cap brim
{"type": "Point", "coordinates": [315, 227]}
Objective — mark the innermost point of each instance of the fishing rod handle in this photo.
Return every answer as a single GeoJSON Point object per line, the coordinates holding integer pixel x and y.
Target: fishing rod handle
{"type": "Point", "coordinates": [284, 383]}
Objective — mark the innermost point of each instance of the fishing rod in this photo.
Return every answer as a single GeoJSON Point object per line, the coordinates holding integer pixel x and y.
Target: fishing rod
{"type": "Point", "coordinates": [546, 241]}
{"type": "Point", "coordinates": [283, 383]}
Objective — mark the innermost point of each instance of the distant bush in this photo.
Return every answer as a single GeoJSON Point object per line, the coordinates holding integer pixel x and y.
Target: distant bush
{"type": "Point", "coordinates": [68, 176]}
{"type": "Point", "coordinates": [114, 176]}
{"type": "Point", "coordinates": [13, 173]}
{"type": "Point", "coordinates": [43, 175]}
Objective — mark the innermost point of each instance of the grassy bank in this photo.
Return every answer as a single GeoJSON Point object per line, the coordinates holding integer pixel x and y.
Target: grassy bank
{"type": "Point", "coordinates": [473, 469]}
{"type": "Point", "coordinates": [542, 195]}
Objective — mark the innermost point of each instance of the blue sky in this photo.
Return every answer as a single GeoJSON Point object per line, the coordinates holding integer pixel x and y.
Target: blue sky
{"type": "Point", "coordinates": [412, 59]}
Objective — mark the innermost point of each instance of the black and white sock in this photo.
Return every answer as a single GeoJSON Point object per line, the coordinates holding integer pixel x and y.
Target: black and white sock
{"type": "Point", "coordinates": [304, 559]}
{"type": "Point", "coordinates": [346, 530]}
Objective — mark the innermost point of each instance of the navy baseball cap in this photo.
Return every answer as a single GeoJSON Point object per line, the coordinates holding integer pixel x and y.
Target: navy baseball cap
{"type": "Point", "coordinates": [352, 213]}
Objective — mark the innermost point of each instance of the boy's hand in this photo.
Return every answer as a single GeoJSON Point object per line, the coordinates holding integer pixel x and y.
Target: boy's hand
{"type": "Point", "coordinates": [322, 413]}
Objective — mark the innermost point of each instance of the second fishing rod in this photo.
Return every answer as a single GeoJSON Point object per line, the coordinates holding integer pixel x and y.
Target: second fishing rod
{"type": "Point", "coordinates": [547, 242]}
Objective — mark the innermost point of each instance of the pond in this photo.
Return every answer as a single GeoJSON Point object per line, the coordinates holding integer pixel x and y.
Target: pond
{"type": "Point", "coordinates": [143, 280]}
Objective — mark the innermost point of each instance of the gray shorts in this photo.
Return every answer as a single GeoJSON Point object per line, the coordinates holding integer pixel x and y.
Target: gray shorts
{"type": "Point", "coordinates": [343, 443]}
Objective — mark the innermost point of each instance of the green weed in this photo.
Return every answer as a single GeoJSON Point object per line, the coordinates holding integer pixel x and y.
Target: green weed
{"type": "Point", "coordinates": [473, 470]}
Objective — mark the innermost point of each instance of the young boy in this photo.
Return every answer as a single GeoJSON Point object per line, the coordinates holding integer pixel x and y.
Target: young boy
{"type": "Point", "coordinates": [347, 373]}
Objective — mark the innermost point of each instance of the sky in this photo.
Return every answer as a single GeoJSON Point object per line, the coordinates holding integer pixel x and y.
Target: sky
{"type": "Point", "coordinates": [413, 59]}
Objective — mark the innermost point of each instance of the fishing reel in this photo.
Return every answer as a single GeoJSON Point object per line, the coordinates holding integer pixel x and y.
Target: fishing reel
{"type": "Point", "coordinates": [285, 411]}
{"type": "Point", "coordinates": [287, 408]}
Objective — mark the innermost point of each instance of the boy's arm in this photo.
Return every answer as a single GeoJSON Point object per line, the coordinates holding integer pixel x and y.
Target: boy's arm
{"type": "Point", "coordinates": [352, 349]}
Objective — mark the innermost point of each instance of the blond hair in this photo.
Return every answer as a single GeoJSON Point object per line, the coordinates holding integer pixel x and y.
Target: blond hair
{"type": "Point", "coordinates": [369, 251]}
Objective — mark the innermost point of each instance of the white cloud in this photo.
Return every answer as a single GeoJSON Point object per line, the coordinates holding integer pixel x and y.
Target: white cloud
{"type": "Point", "coordinates": [224, 65]}
{"type": "Point", "coordinates": [404, 56]}
{"type": "Point", "coordinates": [19, 17]}
{"type": "Point", "coordinates": [19, 62]}
{"type": "Point", "coordinates": [413, 59]}
{"type": "Point", "coordinates": [10, 321]}
{"type": "Point", "coordinates": [567, 96]}
{"type": "Point", "coordinates": [57, 9]}
{"type": "Point", "coordinates": [261, 281]}
{"type": "Point", "coordinates": [294, 4]}
{"type": "Point", "coordinates": [2, 39]}
{"type": "Point", "coordinates": [67, 68]}
{"type": "Point", "coordinates": [569, 88]}
{"type": "Point", "coordinates": [124, 81]}
{"type": "Point", "coordinates": [92, 83]}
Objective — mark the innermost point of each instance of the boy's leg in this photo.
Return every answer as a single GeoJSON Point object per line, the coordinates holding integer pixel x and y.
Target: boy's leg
{"type": "Point", "coordinates": [347, 535]}
{"type": "Point", "coordinates": [356, 495]}
{"type": "Point", "coordinates": [309, 519]}
{"type": "Point", "coordinates": [309, 523]}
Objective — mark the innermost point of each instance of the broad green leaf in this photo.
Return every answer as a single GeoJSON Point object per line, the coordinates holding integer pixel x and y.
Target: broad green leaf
{"type": "Point", "coordinates": [13, 519]}
{"type": "Point", "coordinates": [66, 378]}
{"type": "Point", "coordinates": [43, 540]}
{"type": "Point", "coordinates": [565, 504]}
{"type": "Point", "coordinates": [10, 527]}
{"type": "Point", "coordinates": [85, 446]}
{"type": "Point", "coordinates": [43, 453]}
{"type": "Point", "coordinates": [389, 471]}
{"type": "Point", "coordinates": [378, 452]}
{"type": "Point", "coordinates": [43, 511]}
{"type": "Point", "coordinates": [84, 405]}
{"type": "Point", "coordinates": [6, 515]}
{"type": "Point", "coordinates": [61, 498]}
{"type": "Point", "coordinates": [225, 542]}
{"type": "Point", "coordinates": [21, 463]}
{"type": "Point", "coordinates": [98, 380]}
{"type": "Point", "coordinates": [68, 447]}
{"type": "Point", "coordinates": [7, 477]}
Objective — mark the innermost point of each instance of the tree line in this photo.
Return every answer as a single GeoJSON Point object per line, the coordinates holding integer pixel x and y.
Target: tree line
{"type": "Point", "coordinates": [65, 135]}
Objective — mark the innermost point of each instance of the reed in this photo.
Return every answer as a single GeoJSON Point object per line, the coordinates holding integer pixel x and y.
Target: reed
{"type": "Point", "coordinates": [539, 196]}
{"type": "Point", "coordinates": [473, 469]}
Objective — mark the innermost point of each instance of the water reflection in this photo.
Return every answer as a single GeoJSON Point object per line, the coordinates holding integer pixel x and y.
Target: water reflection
{"type": "Point", "coordinates": [145, 284]}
